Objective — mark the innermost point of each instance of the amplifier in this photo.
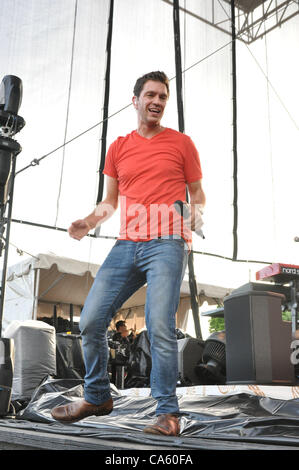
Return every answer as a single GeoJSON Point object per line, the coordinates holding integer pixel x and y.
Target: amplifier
{"type": "Point", "coordinates": [189, 355]}
{"type": "Point", "coordinates": [6, 373]}
{"type": "Point", "coordinates": [258, 341]}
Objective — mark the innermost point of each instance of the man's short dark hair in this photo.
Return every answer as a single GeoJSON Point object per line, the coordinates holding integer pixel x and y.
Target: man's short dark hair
{"type": "Point", "coordinates": [120, 323]}
{"type": "Point", "coordinates": [156, 76]}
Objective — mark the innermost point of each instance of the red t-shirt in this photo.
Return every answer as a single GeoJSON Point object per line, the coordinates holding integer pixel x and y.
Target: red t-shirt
{"type": "Point", "coordinates": [152, 174]}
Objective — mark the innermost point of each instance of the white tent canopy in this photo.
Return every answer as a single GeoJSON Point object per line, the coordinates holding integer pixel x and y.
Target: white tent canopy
{"type": "Point", "coordinates": [35, 285]}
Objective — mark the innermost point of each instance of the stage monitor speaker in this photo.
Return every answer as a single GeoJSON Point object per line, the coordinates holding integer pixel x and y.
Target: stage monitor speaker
{"type": "Point", "coordinates": [69, 356]}
{"type": "Point", "coordinates": [258, 341]}
{"type": "Point", "coordinates": [189, 355]}
{"type": "Point", "coordinates": [35, 355]}
{"type": "Point", "coordinates": [6, 373]}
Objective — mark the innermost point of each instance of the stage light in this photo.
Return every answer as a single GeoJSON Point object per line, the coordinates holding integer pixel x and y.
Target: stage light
{"type": "Point", "coordinates": [11, 91]}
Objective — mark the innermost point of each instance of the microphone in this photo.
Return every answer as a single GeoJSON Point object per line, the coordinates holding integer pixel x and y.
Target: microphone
{"type": "Point", "coordinates": [183, 210]}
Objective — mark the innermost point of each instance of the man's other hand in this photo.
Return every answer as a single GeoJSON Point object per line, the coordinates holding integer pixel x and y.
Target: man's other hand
{"type": "Point", "coordinates": [79, 229]}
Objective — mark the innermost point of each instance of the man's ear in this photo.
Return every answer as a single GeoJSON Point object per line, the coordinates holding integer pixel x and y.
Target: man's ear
{"type": "Point", "coordinates": [135, 101]}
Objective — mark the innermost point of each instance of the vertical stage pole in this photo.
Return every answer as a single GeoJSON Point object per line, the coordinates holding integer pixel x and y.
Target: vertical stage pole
{"type": "Point", "coordinates": [8, 224]}
{"type": "Point", "coordinates": [235, 153]}
{"type": "Point", "coordinates": [11, 91]}
{"type": "Point", "coordinates": [106, 103]}
{"type": "Point", "coordinates": [180, 107]}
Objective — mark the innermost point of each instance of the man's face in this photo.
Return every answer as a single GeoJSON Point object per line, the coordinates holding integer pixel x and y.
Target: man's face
{"type": "Point", "coordinates": [123, 330]}
{"type": "Point", "coordinates": [151, 103]}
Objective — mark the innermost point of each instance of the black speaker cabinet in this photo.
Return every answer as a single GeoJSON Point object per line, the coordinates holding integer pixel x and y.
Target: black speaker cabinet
{"type": "Point", "coordinates": [258, 342]}
{"type": "Point", "coordinates": [189, 355]}
{"type": "Point", "coordinates": [6, 373]}
{"type": "Point", "coordinates": [69, 356]}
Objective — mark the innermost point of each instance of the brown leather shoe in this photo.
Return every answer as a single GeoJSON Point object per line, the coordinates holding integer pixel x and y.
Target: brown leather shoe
{"type": "Point", "coordinates": [80, 409]}
{"type": "Point", "coordinates": [166, 424]}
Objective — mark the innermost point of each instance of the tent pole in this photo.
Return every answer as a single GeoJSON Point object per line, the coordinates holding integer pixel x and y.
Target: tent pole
{"type": "Point", "coordinates": [71, 317]}
{"type": "Point", "coordinates": [180, 107]}
{"type": "Point", "coordinates": [106, 103]}
{"type": "Point", "coordinates": [35, 302]}
{"type": "Point", "coordinates": [234, 116]}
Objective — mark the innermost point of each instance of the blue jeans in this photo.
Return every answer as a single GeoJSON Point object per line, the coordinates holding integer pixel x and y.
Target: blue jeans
{"type": "Point", "coordinates": [161, 264]}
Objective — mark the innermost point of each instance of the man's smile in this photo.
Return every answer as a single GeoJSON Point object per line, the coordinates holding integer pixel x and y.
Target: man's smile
{"type": "Point", "coordinates": [154, 110]}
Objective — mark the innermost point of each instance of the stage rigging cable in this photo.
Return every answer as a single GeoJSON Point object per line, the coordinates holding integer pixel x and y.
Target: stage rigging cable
{"type": "Point", "coordinates": [109, 237]}
{"type": "Point", "coordinates": [67, 110]}
{"type": "Point", "coordinates": [178, 77]}
{"type": "Point", "coordinates": [180, 107]}
{"type": "Point", "coordinates": [36, 161]}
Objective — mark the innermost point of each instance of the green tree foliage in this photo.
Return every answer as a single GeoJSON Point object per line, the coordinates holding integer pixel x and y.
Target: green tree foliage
{"type": "Point", "coordinates": [216, 324]}
{"type": "Point", "coordinates": [286, 315]}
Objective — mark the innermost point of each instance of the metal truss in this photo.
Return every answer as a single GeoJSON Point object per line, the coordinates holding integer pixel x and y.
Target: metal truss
{"type": "Point", "coordinates": [253, 18]}
{"type": "Point", "coordinates": [271, 14]}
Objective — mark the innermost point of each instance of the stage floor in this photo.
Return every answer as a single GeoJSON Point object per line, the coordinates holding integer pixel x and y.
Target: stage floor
{"type": "Point", "coordinates": [214, 417]}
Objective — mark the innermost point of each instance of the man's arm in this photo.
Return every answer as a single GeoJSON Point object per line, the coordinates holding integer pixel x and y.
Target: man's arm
{"type": "Point", "coordinates": [102, 212]}
{"type": "Point", "coordinates": [197, 203]}
{"type": "Point", "coordinates": [197, 195]}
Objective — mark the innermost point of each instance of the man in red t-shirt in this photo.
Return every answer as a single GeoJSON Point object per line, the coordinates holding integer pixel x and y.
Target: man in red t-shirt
{"type": "Point", "coordinates": [152, 174]}
{"type": "Point", "coordinates": [147, 171]}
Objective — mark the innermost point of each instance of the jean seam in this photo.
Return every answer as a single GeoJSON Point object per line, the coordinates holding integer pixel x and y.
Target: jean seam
{"type": "Point", "coordinates": [121, 290]}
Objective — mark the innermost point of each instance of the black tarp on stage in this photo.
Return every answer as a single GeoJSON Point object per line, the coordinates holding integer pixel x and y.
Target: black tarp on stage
{"type": "Point", "coordinates": [235, 421]}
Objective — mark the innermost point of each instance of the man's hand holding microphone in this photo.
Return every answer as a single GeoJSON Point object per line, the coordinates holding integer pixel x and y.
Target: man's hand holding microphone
{"type": "Point", "coordinates": [195, 217]}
